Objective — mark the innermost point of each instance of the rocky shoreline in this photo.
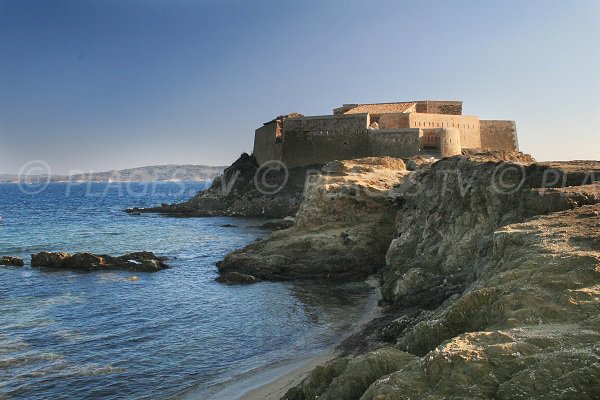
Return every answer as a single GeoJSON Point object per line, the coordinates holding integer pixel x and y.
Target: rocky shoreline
{"type": "Point", "coordinates": [243, 190]}
{"type": "Point", "coordinates": [489, 266]}
{"type": "Point", "coordinates": [490, 291]}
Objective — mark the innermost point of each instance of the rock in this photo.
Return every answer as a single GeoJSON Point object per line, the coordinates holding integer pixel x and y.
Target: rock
{"type": "Point", "coordinates": [236, 277]}
{"type": "Point", "coordinates": [277, 225]}
{"type": "Point", "coordinates": [228, 226]}
{"type": "Point", "coordinates": [502, 281]}
{"type": "Point", "coordinates": [347, 378]}
{"type": "Point", "coordinates": [12, 260]}
{"type": "Point", "coordinates": [139, 261]}
{"type": "Point", "coordinates": [236, 193]}
{"type": "Point", "coordinates": [448, 213]}
{"type": "Point", "coordinates": [342, 229]}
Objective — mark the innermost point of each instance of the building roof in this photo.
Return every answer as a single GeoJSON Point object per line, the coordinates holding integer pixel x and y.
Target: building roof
{"type": "Point", "coordinates": [380, 108]}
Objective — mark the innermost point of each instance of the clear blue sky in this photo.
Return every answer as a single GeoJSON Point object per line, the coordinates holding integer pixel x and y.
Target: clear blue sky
{"type": "Point", "coordinates": [96, 85]}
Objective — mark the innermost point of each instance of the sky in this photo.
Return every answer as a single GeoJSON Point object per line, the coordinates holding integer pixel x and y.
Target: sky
{"type": "Point", "coordinates": [99, 85]}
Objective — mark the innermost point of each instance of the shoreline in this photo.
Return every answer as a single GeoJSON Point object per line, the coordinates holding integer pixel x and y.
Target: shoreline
{"type": "Point", "coordinates": [272, 382]}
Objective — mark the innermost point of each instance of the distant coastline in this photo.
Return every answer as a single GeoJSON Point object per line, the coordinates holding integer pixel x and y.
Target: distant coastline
{"type": "Point", "coordinates": [153, 173]}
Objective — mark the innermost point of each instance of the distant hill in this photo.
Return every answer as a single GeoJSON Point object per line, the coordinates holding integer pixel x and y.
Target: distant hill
{"type": "Point", "coordinates": [153, 173]}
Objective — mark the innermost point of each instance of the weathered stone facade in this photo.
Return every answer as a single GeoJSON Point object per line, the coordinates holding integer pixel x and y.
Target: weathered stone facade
{"type": "Point", "coordinates": [402, 129]}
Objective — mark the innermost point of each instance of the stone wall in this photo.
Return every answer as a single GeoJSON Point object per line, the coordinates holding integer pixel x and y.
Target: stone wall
{"type": "Point", "coordinates": [393, 121]}
{"type": "Point", "coordinates": [439, 107]}
{"type": "Point", "coordinates": [468, 126]}
{"type": "Point", "coordinates": [499, 135]}
{"type": "Point", "coordinates": [266, 145]}
{"type": "Point", "coordinates": [318, 140]}
{"type": "Point", "coordinates": [394, 142]}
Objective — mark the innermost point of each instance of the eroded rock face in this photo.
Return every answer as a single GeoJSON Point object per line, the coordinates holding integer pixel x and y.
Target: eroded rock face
{"type": "Point", "coordinates": [240, 192]}
{"type": "Point", "coordinates": [348, 378]}
{"type": "Point", "coordinates": [11, 260]}
{"type": "Point", "coordinates": [140, 262]}
{"type": "Point", "coordinates": [510, 281]}
{"type": "Point", "coordinates": [450, 211]}
{"type": "Point", "coordinates": [342, 230]}
{"type": "Point", "coordinates": [528, 327]}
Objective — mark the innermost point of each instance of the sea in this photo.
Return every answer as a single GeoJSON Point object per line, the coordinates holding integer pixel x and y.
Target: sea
{"type": "Point", "coordinates": [124, 335]}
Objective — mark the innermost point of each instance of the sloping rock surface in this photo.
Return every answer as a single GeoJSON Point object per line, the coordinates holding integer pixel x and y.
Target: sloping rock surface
{"type": "Point", "coordinates": [342, 229]}
{"type": "Point", "coordinates": [500, 256]}
{"type": "Point", "coordinates": [244, 190]}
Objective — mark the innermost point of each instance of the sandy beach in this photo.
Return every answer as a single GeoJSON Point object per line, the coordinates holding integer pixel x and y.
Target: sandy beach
{"type": "Point", "coordinates": [275, 389]}
{"type": "Point", "coordinates": [271, 383]}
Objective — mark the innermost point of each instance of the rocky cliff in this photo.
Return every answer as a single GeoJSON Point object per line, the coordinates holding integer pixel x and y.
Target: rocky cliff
{"type": "Point", "coordinates": [343, 227]}
{"type": "Point", "coordinates": [490, 275]}
{"type": "Point", "coordinates": [493, 278]}
{"type": "Point", "coordinates": [246, 190]}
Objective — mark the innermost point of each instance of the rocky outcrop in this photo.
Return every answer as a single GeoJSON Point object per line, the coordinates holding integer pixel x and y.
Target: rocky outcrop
{"type": "Point", "coordinates": [342, 229]}
{"type": "Point", "coordinates": [494, 277]}
{"type": "Point", "coordinates": [245, 190]}
{"type": "Point", "coordinates": [11, 260]}
{"type": "Point", "coordinates": [139, 262]}
{"type": "Point", "coordinates": [450, 211]}
{"type": "Point", "coordinates": [527, 328]}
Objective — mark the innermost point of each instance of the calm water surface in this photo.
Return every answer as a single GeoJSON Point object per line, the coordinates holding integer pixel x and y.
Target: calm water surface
{"type": "Point", "coordinates": [101, 335]}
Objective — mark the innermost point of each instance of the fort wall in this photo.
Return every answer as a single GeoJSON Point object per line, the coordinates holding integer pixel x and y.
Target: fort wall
{"type": "Point", "coordinates": [394, 121]}
{"type": "Point", "coordinates": [438, 129]}
{"type": "Point", "coordinates": [468, 125]}
{"type": "Point", "coordinates": [394, 142]}
{"type": "Point", "coordinates": [499, 135]}
{"type": "Point", "coordinates": [266, 145]}
{"type": "Point", "coordinates": [320, 139]}
{"type": "Point", "coordinates": [439, 107]}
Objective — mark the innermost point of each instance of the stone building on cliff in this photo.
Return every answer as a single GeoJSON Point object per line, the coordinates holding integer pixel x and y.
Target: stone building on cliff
{"type": "Point", "coordinates": [403, 129]}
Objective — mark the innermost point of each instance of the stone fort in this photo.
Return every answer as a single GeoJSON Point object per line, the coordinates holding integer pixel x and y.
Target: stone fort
{"type": "Point", "coordinates": [402, 129]}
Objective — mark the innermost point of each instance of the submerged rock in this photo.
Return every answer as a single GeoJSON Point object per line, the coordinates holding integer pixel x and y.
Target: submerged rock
{"type": "Point", "coordinates": [11, 260]}
{"type": "Point", "coordinates": [144, 261]}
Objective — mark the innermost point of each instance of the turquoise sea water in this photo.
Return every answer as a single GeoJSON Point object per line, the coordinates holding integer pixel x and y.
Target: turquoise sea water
{"type": "Point", "coordinates": [101, 335]}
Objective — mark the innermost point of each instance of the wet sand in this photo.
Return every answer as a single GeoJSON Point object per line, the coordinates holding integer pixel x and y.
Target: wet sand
{"type": "Point", "coordinates": [272, 382]}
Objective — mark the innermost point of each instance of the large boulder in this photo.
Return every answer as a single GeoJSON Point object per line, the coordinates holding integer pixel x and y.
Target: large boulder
{"type": "Point", "coordinates": [144, 261]}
